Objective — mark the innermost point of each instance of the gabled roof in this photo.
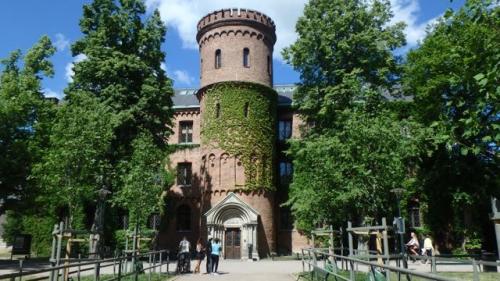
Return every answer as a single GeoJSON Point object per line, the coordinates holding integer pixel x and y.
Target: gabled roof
{"type": "Point", "coordinates": [186, 98]}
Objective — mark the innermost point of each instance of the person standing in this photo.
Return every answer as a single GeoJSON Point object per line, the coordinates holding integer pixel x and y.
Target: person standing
{"type": "Point", "coordinates": [198, 255]}
{"type": "Point", "coordinates": [216, 250]}
{"type": "Point", "coordinates": [183, 264]}
{"type": "Point", "coordinates": [209, 255]}
{"type": "Point", "coordinates": [428, 249]}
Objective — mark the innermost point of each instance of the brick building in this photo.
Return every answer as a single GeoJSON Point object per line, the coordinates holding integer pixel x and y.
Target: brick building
{"type": "Point", "coordinates": [229, 136]}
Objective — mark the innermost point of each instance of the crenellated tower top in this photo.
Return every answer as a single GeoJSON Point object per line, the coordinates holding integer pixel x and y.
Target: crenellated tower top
{"type": "Point", "coordinates": [235, 17]}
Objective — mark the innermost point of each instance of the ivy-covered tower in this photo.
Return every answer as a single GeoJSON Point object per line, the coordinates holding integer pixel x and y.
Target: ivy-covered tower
{"type": "Point", "coordinates": [238, 124]}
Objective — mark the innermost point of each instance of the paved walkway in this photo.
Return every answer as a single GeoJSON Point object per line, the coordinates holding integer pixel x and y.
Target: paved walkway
{"type": "Point", "coordinates": [234, 270]}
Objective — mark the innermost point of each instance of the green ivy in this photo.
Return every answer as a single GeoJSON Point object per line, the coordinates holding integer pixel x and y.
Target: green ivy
{"type": "Point", "coordinates": [252, 137]}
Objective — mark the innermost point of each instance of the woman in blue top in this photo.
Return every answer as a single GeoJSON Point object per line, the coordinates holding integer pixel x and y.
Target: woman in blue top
{"type": "Point", "coordinates": [216, 249]}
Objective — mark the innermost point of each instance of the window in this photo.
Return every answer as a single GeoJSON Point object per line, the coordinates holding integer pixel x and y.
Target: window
{"type": "Point", "coordinates": [184, 174]}
{"type": "Point", "coordinates": [286, 219]}
{"type": "Point", "coordinates": [286, 171]}
{"type": "Point", "coordinates": [246, 58]}
{"type": "Point", "coordinates": [183, 218]}
{"type": "Point", "coordinates": [154, 221]}
{"type": "Point", "coordinates": [217, 110]}
{"type": "Point", "coordinates": [415, 217]}
{"type": "Point", "coordinates": [218, 59]}
{"type": "Point", "coordinates": [284, 129]}
{"type": "Point", "coordinates": [269, 67]}
{"type": "Point", "coordinates": [186, 132]}
{"type": "Point", "coordinates": [245, 109]}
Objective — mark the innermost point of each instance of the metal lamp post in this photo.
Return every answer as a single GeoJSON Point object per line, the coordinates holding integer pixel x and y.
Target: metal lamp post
{"type": "Point", "coordinates": [400, 222]}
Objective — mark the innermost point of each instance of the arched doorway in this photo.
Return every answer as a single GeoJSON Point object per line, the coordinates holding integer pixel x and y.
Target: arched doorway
{"type": "Point", "coordinates": [235, 223]}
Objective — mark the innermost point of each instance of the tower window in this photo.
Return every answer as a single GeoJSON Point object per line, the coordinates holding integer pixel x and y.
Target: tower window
{"type": "Point", "coordinates": [218, 59]}
{"type": "Point", "coordinates": [286, 171]}
{"type": "Point", "coordinates": [186, 132]}
{"type": "Point", "coordinates": [245, 109]}
{"type": "Point", "coordinates": [269, 66]}
{"type": "Point", "coordinates": [246, 57]}
{"type": "Point", "coordinates": [184, 174]}
{"type": "Point", "coordinates": [284, 129]}
{"type": "Point", "coordinates": [217, 110]}
{"type": "Point", "coordinates": [183, 218]}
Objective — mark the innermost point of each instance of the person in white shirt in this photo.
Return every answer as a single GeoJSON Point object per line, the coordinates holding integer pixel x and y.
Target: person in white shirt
{"type": "Point", "coordinates": [184, 263]}
{"type": "Point", "coordinates": [413, 245]}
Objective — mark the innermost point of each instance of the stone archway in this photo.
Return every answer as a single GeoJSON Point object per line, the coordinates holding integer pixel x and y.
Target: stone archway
{"type": "Point", "coordinates": [234, 215]}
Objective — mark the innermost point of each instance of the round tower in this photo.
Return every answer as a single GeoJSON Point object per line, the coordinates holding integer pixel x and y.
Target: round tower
{"type": "Point", "coordinates": [236, 45]}
{"type": "Point", "coordinates": [238, 122]}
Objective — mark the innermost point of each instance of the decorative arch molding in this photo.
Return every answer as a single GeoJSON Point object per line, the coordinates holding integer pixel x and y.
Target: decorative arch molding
{"type": "Point", "coordinates": [232, 212]}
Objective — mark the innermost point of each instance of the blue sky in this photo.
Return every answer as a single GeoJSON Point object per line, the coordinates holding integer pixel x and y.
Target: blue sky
{"type": "Point", "coordinates": [23, 22]}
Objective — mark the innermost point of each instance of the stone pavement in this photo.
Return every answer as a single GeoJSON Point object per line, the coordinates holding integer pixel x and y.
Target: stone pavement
{"type": "Point", "coordinates": [235, 270]}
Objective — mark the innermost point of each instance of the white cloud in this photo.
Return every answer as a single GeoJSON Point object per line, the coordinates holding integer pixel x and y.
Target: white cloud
{"type": "Point", "coordinates": [163, 66]}
{"type": "Point", "coordinates": [52, 94]}
{"type": "Point", "coordinates": [408, 11]}
{"type": "Point", "coordinates": [183, 15]}
{"type": "Point", "coordinates": [183, 77]}
{"type": "Point", "coordinates": [69, 72]}
{"type": "Point", "coordinates": [61, 42]}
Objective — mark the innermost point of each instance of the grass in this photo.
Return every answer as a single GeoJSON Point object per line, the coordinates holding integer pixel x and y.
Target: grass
{"type": "Point", "coordinates": [362, 276]}
{"type": "Point", "coordinates": [141, 277]}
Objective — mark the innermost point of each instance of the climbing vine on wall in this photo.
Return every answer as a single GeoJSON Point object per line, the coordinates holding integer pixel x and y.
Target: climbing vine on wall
{"type": "Point", "coordinates": [240, 118]}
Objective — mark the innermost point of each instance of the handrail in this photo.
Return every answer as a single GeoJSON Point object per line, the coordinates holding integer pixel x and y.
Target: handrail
{"type": "Point", "coordinates": [102, 263]}
{"type": "Point", "coordinates": [372, 264]}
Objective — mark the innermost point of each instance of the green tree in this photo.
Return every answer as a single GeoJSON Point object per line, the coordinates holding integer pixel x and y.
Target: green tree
{"type": "Point", "coordinates": [25, 117]}
{"type": "Point", "coordinates": [356, 147]}
{"type": "Point", "coordinates": [70, 173]}
{"type": "Point", "coordinates": [122, 70]}
{"type": "Point", "coordinates": [453, 76]}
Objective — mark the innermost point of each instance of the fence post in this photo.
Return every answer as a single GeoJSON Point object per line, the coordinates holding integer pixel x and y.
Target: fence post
{"type": "Point", "coordinates": [433, 264]}
{"type": "Point", "coordinates": [119, 269]}
{"type": "Point", "coordinates": [78, 269]}
{"type": "Point", "coordinates": [352, 276]}
{"type": "Point", "coordinates": [96, 271]}
{"type": "Point", "coordinates": [161, 260]}
{"type": "Point", "coordinates": [149, 265]}
{"type": "Point", "coordinates": [475, 272]}
{"type": "Point", "coordinates": [20, 270]}
{"type": "Point", "coordinates": [168, 262]}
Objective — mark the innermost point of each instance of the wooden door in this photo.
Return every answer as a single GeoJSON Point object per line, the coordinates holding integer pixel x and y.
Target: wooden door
{"type": "Point", "coordinates": [232, 246]}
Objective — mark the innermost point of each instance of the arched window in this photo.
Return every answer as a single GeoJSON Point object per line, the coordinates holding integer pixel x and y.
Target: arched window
{"type": "Point", "coordinates": [218, 59]}
{"type": "Point", "coordinates": [269, 66]}
{"type": "Point", "coordinates": [217, 110]}
{"type": "Point", "coordinates": [245, 109]}
{"type": "Point", "coordinates": [183, 218]}
{"type": "Point", "coordinates": [246, 57]}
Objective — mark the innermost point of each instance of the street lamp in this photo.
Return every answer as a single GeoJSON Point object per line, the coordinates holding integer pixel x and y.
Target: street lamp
{"type": "Point", "coordinates": [399, 221]}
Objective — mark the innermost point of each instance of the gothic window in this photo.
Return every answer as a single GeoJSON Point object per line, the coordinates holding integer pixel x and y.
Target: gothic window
{"type": "Point", "coordinates": [246, 57]}
{"type": "Point", "coordinates": [184, 174]}
{"type": "Point", "coordinates": [284, 129]}
{"type": "Point", "coordinates": [286, 171]}
{"type": "Point", "coordinates": [286, 219]}
{"type": "Point", "coordinates": [217, 110]}
{"type": "Point", "coordinates": [183, 218]}
{"type": "Point", "coordinates": [186, 132]}
{"type": "Point", "coordinates": [218, 59]}
{"type": "Point", "coordinates": [245, 109]}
